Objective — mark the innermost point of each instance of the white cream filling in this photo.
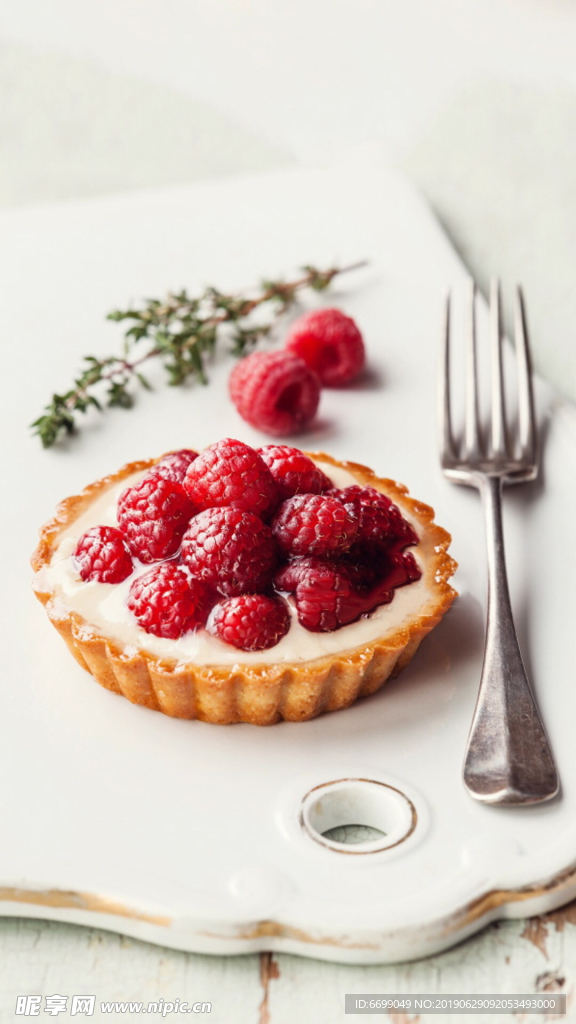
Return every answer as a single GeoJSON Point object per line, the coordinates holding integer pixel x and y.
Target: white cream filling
{"type": "Point", "coordinates": [103, 605]}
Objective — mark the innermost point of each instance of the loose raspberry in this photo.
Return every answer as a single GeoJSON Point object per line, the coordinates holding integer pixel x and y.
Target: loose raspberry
{"type": "Point", "coordinates": [379, 519]}
{"type": "Point", "coordinates": [275, 392]}
{"type": "Point", "coordinates": [330, 343]}
{"type": "Point", "coordinates": [230, 474]}
{"type": "Point", "coordinates": [153, 516]}
{"type": "Point", "coordinates": [173, 466]}
{"type": "Point", "coordinates": [293, 471]}
{"type": "Point", "coordinates": [253, 622]}
{"type": "Point", "coordinates": [313, 524]}
{"type": "Point", "coordinates": [167, 602]}
{"type": "Point", "coordinates": [230, 550]}
{"type": "Point", "coordinates": [101, 554]}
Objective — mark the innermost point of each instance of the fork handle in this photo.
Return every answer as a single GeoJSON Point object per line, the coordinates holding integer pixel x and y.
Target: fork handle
{"type": "Point", "coordinates": [508, 757]}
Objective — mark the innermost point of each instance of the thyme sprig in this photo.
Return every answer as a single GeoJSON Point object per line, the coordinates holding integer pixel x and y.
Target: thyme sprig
{"type": "Point", "coordinates": [182, 331]}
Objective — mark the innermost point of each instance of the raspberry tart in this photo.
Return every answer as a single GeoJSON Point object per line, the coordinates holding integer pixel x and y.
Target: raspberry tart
{"type": "Point", "coordinates": [243, 585]}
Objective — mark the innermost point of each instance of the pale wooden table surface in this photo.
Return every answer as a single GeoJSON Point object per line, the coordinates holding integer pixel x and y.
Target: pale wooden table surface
{"type": "Point", "coordinates": [48, 958]}
{"type": "Point", "coordinates": [95, 99]}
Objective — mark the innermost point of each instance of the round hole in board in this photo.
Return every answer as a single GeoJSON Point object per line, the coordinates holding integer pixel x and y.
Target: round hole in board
{"type": "Point", "coordinates": [357, 815]}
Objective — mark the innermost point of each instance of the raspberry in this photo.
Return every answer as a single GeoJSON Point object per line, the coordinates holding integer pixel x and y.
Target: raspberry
{"type": "Point", "coordinates": [168, 602]}
{"type": "Point", "coordinates": [230, 474]}
{"type": "Point", "coordinates": [410, 569]}
{"type": "Point", "coordinates": [275, 392]}
{"type": "Point", "coordinates": [101, 554]}
{"type": "Point", "coordinates": [313, 524]}
{"type": "Point", "coordinates": [230, 550]}
{"type": "Point", "coordinates": [401, 533]}
{"type": "Point", "coordinates": [291, 573]}
{"type": "Point", "coordinates": [153, 516]}
{"type": "Point", "coordinates": [380, 568]}
{"type": "Point", "coordinates": [326, 598]}
{"type": "Point", "coordinates": [330, 343]}
{"type": "Point", "coordinates": [379, 519]}
{"type": "Point", "coordinates": [173, 466]}
{"type": "Point", "coordinates": [293, 471]}
{"type": "Point", "coordinates": [253, 622]}
{"type": "Point", "coordinates": [327, 595]}
{"type": "Point", "coordinates": [368, 562]}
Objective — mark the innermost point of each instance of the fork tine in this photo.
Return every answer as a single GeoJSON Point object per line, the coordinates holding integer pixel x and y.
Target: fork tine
{"type": "Point", "coordinates": [444, 415]}
{"type": "Point", "coordinates": [526, 416]}
{"type": "Point", "coordinates": [472, 428]}
{"type": "Point", "coordinates": [499, 440]}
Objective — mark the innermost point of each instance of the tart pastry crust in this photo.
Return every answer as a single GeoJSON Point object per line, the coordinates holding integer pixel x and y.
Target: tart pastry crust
{"type": "Point", "coordinates": [259, 694]}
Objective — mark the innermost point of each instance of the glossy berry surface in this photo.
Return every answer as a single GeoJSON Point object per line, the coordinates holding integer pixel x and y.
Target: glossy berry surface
{"type": "Point", "coordinates": [230, 474]}
{"type": "Point", "coordinates": [313, 524]}
{"type": "Point", "coordinates": [230, 550]}
{"type": "Point", "coordinates": [330, 343]}
{"type": "Point", "coordinates": [290, 573]}
{"type": "Point", "coordinates": [326, 598]}
{"type": "Point", "coordinates": [153, 516]}
{"type": "Point", "coordinates": [330, 594]}
{"type": "Point", "coordinates": [174, 465]}
{"type": "Point", "coordinates": [371, 509]}
{"type": "Point", "coordinates": [101, 555]}
{"type": "Point", "coordinates": [293, 471]}
{"type": "Point", "coordinates": [381, 525]}
{"type": "Point", "coordinates": [276, 392]}
{"type": "Point", "coordinates": [253, 622]}
{"type": "Point", "coordinates": [165, 601]}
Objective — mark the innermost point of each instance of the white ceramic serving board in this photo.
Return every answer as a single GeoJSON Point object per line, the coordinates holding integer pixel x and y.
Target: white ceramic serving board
{"type": "Point", "coordinates": [188, 834]}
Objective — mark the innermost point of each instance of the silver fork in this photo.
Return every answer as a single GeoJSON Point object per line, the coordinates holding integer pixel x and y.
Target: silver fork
{"type": "Point", "coordinates": [508, 758]}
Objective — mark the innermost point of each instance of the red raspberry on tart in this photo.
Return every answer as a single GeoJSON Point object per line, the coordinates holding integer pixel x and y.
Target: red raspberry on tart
{"type": "Point", "coordinates": [379, 520]}
{"type": "Point", "coordinates": [167, 601]}
{"type": "Point", "coordinates": [174, 465]}
{"type": "Point", "coordinates": [230, 550]}
{"type": "Point", "coordinates": [252, 622]}
{"type": "Point", "coordinates": [153, 515]}
{"type": "Point", "coordinates": [326, 598]}
{"type": "Point", "coordinates": [291, 572]}
{"type": "Point", "coordinates": [293, 471]}
{"type": "Point", "coordinates": [331, 593]}
{"type": "Point", "coordinates": [230, 474]}
{"type": "Point", "coordinates": [225, 625]}
{"type": "Point", "coordinates": [102, 555]}
{"type": "Point", "coordinates": [314, 524]}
